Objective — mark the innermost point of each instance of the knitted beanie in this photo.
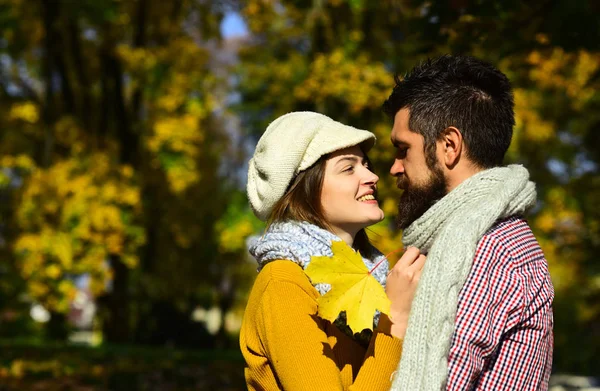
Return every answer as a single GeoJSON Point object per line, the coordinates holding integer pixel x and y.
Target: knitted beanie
{"type": "Point", "coordinates": [291, 144]}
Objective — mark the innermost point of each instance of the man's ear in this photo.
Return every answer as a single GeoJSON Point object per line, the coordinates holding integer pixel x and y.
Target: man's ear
{"type": "Point", "coordinates": [452, 146]}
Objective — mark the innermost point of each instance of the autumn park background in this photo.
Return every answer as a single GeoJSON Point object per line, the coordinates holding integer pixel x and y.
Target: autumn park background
{"type": "Point", "coordinates": [126, 126]}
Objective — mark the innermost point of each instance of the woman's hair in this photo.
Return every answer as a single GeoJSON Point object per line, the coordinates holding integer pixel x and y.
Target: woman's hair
{"type": "Point", "coordinates": [302, 202]}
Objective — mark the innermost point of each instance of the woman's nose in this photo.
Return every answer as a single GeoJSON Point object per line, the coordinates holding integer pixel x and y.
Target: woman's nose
{"type": "Point", "coordinates": [371, 178]}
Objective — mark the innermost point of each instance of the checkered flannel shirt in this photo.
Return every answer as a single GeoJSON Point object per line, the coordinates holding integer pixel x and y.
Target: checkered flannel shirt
{"type": "Point", "coordinates": [503, 334]}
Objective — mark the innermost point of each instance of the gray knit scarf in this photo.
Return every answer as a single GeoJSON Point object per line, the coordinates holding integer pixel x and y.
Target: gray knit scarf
{"type": "Point", "coordinates": [449, 232]}
{"type": "Point", "coordinates": [298, 242]}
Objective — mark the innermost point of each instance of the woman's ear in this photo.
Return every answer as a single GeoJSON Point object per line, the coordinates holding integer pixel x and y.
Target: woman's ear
{"type": "Point", "coordinates": [452, 146]}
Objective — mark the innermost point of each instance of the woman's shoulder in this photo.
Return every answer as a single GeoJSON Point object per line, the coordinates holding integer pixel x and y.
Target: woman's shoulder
{"type": "Point", "coordinates": [284, 271]}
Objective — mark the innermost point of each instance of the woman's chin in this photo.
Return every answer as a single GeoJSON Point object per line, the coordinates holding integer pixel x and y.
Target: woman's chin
{"type": "Point", "coordinates": [376, 218]}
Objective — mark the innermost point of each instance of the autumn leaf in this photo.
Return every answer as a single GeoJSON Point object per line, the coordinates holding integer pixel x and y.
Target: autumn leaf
{"type": "Point", "coordinates": [353, 288]}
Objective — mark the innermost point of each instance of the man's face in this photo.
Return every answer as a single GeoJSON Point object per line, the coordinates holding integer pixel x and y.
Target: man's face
{"type": "Point", "coordinates": [423, 185]}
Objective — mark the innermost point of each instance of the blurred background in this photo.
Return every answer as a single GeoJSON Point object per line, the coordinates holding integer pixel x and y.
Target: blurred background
{"type": "Point", "coordinates": [125, 130]}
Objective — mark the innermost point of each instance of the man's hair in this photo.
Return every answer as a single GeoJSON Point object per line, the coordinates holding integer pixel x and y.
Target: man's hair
{"type": "Point", "coordinates": [302, 202]}
{"type": "Point", "coordinates": [463, 92]}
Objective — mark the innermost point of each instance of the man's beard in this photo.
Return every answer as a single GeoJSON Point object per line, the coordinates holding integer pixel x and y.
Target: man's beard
{"type": "Point", "coordinates": [416, 200]}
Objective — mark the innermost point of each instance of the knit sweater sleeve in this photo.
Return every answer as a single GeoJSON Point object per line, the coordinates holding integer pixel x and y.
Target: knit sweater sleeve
{"type": "Point", "coordinates": [302, 354]}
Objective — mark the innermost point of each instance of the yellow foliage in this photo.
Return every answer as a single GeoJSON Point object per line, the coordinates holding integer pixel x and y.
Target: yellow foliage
{"type": "Point", "coordinates": [4, 179]}
{"type": "Point", "coordinates": [53, 271]}
{"type": "Point", "coordinates": [67, 132]}
{"type": "Point", "coordinates": [17, 368]}
{"type": "Point", "coordinates": [27, 111]}
{"type": "Point", "coordinates": [353, 288]}
{"type": "Point", "coordinates": [176, 141]}
{"type": "Point", "coordinates": [569, 72]}
{"type": "Point", "coordinates": [63, 249]}
{"type": "Point", "coordinates": [176, 133]}
{"type": "Point", "coordinates": [38, 289]}
{"type": "Point", "coordinates": [260, 14]}
{"type": "Point", "coordinates": [529, 123]}
{"type": "Point", "coordinates": [359, 82]}
{"type": "Point", "coordinates": [555, 74]}
{"type": "Point", "coordinates": [233, 237]}
{"type": "Point", "coordinates": [558, 230]}
{"type": "Point", "coordinates": [385, 151]}
{"type": "Point", "coordinates": [73, 215]}
{"type": "Point", "coordinates": [137, 60]}
{"type": "Point", "coordinates": [23, 162]}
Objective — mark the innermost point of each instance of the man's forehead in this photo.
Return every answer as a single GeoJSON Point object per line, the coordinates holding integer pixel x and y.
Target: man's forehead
{"type": "Point", "coordinates": [402, 135]}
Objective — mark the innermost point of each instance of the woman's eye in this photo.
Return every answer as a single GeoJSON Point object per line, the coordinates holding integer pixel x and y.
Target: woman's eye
{"type": "Point", "coordinates": [349, 169]}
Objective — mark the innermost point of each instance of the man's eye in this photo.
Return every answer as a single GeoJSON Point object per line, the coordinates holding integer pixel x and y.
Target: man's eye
{"type": "Point", "coordinates": [401, 152]}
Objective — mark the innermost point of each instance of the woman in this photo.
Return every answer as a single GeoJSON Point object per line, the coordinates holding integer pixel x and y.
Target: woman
{"type": "Point", "coordinates": [310, 179]}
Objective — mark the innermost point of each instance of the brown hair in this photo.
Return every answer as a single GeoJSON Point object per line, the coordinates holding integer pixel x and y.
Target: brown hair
{"type": "Point", "coordinates": [302, 202]}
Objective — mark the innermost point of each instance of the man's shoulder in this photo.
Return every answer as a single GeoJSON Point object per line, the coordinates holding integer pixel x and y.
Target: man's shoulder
{"type": "Point", "coordinates": [512, 238]}
{"type": "Point", "coordinates": [509, 229]}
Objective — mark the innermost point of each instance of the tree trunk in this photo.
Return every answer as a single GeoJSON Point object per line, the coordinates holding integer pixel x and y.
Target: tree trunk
{"type": "Point", "coordinates": [57, 328]}
{"type": "Point", "coordinates": [116, 327]}
{"type": "Point", "coordinates": [50, 15]}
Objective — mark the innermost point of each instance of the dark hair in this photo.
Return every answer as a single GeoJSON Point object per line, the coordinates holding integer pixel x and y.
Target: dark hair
{"type": "Point", "coordinates": [302, 202]}
{"type": "Point", "coordinates": [463, 92]}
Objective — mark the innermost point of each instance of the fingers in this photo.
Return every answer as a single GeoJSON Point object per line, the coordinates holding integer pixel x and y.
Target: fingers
{"type": "Point", "coordinates": [408, 258]}
{"type": "Point", "coordinates": [418, 264]}
{"type": "Point", "coordinates": [402, 283]}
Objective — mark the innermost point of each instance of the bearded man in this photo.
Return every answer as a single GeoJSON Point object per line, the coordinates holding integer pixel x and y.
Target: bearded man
{"type": "Point", "coordinates": [482, 315]}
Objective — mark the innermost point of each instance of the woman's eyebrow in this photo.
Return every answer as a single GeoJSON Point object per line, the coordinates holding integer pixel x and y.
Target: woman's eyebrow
{"type": "Point", "coordinates": [351, 159]}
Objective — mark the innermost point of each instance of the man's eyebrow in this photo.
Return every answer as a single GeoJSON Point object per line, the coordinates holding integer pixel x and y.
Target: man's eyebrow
{"type": "Point", "coordinates": [398, 143]}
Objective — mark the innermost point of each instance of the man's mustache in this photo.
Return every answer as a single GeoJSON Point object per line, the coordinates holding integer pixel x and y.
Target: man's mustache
{"type": "Point", "coordinates": [402, 182]}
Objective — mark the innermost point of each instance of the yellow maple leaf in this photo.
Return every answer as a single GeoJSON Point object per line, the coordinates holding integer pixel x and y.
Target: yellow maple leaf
{"type": "Point", "coordinates": [353, 288]}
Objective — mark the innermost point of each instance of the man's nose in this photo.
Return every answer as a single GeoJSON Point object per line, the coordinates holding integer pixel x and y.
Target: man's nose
{"type": "Point", "coordinates": [397, 168]}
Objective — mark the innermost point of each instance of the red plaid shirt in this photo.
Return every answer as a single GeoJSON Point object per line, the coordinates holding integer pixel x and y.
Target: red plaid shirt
{"type": "Point", "coordinates": [503, 334]}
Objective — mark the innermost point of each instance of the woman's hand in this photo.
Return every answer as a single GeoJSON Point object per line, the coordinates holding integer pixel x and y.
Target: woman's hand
{"type": "Point", "coordinates": [400, 288]}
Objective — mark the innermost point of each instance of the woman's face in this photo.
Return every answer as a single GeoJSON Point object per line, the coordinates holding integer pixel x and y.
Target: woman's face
{"type": "Point", "coordinates": [347, 195]}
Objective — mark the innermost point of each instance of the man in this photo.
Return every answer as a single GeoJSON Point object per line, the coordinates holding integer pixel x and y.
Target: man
{"type": "Point", "coordinates": [482, 316]}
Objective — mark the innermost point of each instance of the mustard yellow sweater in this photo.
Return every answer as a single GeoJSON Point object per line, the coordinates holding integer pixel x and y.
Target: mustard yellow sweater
{"type": "Point", "coordinates": [286, 346]}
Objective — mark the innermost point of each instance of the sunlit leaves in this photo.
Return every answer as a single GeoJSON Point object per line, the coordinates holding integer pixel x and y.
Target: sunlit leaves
{"type": "Point", "coordinates": [175, 143]}
{"type": "Point", "coordinates": [529, 121]}
{"type": "Point", "coordinates": [569, 72]}
{"type": "Point", "coordinates": [358, 82]}
{"type": "Point", "coordinates": [26, 111]}
{"type": "Point", "coordinates": [175, 73]}
{"type": "Point", "coordinates": [236, 225]}
{"type": "Point", "coordinates": [73, 216]}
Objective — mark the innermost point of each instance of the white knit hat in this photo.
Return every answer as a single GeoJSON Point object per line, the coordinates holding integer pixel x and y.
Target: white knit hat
{"type": "Point", "coordinates": [292, 143]}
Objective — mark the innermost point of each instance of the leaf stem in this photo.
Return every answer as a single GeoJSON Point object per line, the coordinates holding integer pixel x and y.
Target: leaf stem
{"type": "Point", "coordinates": [386, 257]}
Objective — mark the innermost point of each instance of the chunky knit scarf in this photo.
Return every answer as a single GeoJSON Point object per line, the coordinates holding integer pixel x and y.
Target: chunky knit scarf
{"type": "Point", "coordinates": [449, 232]}
{"type": "Point", "coordinates": [299, 241]}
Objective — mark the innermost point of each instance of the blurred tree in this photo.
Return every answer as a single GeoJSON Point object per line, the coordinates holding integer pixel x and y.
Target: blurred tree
{"type": "Point", "coordinates": [113, 138]}
{"type": "Point", "coordinates": [338, 57]}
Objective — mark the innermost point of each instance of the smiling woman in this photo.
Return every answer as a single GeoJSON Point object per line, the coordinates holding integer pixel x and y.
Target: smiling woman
{"type": "Point", "coordinates": [349, 185]}
{"type": "Point", "coordinates": [310, 178]}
